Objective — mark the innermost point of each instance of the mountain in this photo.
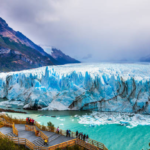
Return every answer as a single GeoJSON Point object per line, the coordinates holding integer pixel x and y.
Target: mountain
{"type": "Point", "coordinates": [17, 52]}
{"type": "Point", "coordinates": [17, 36]}
{"type": "Point", "coordinates": [145, 59]}
{"type": "Point", "coordinates": [60, 56]}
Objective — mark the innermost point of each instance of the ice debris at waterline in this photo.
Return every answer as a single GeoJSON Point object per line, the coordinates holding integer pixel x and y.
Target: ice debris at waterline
{"type": "Point", "coordinates": [103, 87]}
{"type": "Point", "coordinates": [125, 119]}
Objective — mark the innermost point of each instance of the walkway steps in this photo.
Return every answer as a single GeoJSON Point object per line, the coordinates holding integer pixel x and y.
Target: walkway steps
{"type": "Point", "coordinates": [49, 134]}
{"type": "Point", "coordinates": [38, 142]}
{"type": "Point", "coordinates": [11, 134]}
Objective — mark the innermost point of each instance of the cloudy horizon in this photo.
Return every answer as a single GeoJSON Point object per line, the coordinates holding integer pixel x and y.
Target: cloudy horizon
{"type": "Point", "coordinates": [90, 31]}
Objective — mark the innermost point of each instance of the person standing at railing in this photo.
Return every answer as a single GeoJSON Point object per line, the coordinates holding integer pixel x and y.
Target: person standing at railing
{"type": "Point", "coordinates": [66, 132]}
{"type": "Point", "coordinates": [27, 120]}
{"type": "Point", "coordinates": [32, 121]}
{"type": "Point", "coordinates": [58, 130]}
{"type": "Point", "coordinates": [77, 134]}
{"type": "Point", "coordinates": [87, 137]}
{"type": "Point", "coordinates": [69, 132]}
{"type": "Point", "coordinates": [84, 137]}
{"type": "Point", "coordinates": [39, 134]}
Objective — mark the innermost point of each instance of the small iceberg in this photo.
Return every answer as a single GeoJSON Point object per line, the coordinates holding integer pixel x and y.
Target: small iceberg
{"type": "Point", "coordinates": [124, 123]}
{"type": "Point", "coordinates": [109, 119]}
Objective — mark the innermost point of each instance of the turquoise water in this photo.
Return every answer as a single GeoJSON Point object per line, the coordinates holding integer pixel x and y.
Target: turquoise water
{"type": "Point", "coordinates": [114, 136]}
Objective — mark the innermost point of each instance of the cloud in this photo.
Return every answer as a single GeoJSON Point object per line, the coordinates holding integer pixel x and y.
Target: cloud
{"type": "Point", "coordinates": [108, 30]}
{"type": "Point", "coordinates": [87, 56]}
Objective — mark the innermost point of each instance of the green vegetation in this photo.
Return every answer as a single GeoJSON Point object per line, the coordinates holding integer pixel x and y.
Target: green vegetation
{"type": "Point", "coordinates": [50, 126]}
{"type": "Point", "coordinates": [7, 144]}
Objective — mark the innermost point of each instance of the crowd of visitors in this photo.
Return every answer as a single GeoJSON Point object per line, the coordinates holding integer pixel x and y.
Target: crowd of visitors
{"type": "Point", "coordinates": [29, 121]}
{"type": "Point", "coordinates": [82, 136]}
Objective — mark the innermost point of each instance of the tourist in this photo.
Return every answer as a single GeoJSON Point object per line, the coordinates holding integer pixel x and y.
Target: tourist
{"type": "Point", "coordinates": [58, 130]}
{"type": "Point", "coordinates": [87, 137]}
{"type": "Point", "coordinates": [66, 132]}
{"type": "Point", "coordinates": [84, 137]}
{"type": "Point", "coordinates": [32, 121]}
{"type": "Point", "coordinates": [45, 142]}
{"type": "Point", "coordinates": [76, 134]}
{"type": "Point", "coordinates": [27, 120]}
{"type": "Point", "coordinates": [69, 132]}
{"type": "Point", "coordinates": [37, 132]}
{"type": "Point", "coordinates": [79, 135]}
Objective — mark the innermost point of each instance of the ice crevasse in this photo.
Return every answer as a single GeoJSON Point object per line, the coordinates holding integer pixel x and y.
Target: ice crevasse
{"type": "Point", "coordinates": [102, 87]}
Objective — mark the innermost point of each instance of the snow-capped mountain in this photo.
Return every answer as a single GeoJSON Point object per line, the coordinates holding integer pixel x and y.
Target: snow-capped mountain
{"type": "Point", "coordinates": [59, 55]}
{"type": "Point", "coordinates": [17, 52]}
{"type": "Point", "coordinates": [103, 87]}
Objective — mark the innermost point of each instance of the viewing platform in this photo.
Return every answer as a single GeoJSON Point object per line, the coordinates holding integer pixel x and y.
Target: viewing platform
{"type": "Point", "coordinates": [22, 134]}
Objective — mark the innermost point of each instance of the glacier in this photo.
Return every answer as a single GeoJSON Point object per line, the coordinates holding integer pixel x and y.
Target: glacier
{"type": "Point", "coordinates": [100, 87]}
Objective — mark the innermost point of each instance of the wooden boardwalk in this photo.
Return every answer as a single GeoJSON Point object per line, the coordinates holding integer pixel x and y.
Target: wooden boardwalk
{"type": "Point", "coordinates": [38, 141]}
{"type": "Point", "coordinates": [26, 135]}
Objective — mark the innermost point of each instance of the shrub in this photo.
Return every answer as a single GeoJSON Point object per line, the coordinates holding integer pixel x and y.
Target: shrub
{"type": "Point", "coordinates": [43, 127]}
{"type": "Point", "coordinates": [7, 144]}
{"type": "Point", "coordinates": [50, 126]}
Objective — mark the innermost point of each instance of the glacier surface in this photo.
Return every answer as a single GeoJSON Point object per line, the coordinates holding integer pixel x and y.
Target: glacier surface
{"type": "Point", "coordinates": [102, 87]}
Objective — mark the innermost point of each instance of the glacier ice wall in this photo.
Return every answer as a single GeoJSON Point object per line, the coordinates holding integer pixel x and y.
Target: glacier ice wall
{"type": "Point", "coordinates": [102, 87]}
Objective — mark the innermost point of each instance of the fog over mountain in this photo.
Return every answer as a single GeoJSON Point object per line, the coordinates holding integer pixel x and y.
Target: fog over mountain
{"type": "Point", "coordinates": [89, 31]}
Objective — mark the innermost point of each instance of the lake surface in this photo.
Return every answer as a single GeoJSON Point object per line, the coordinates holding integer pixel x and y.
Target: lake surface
{"type": "Point", "coordinates": [114, 136]}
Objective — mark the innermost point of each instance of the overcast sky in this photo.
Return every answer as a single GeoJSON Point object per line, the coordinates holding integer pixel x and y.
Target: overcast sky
{"type": "Point", "coordinates": [88, 30]}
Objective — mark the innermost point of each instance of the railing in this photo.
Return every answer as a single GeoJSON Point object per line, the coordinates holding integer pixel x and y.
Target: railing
{"type": "Point", "coordinates": [73, 134]}
{"type": "Point", "coordinates": [24, 141]}
{"type": "Point", "coordinates": [20, 141]}
{"type": "Point", "coordinates": [15, 131]}
{"type": "Point", "coordinates": [7, 124]}
{"type": "Point", "coordinates": [30, 128]}
{"type": "Point", "coordinates": [33, 128]}
{"type": "Point", "coordinates": [1, 119]}
{"type": "Point", "coordinates": [63, 145]}
{"type": "Point", "coordinates": [52, 129]}
{"type": "Point", "coordinates": [73, 142]}
{"type": "Point", "coordinates": [11, 120]}
{"type": "Point", "coordinates": [1, 122]}
{"type": "Point", "coordinates": [87, 145]}
{"type": "Point", "coordinates": [43, 136]}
